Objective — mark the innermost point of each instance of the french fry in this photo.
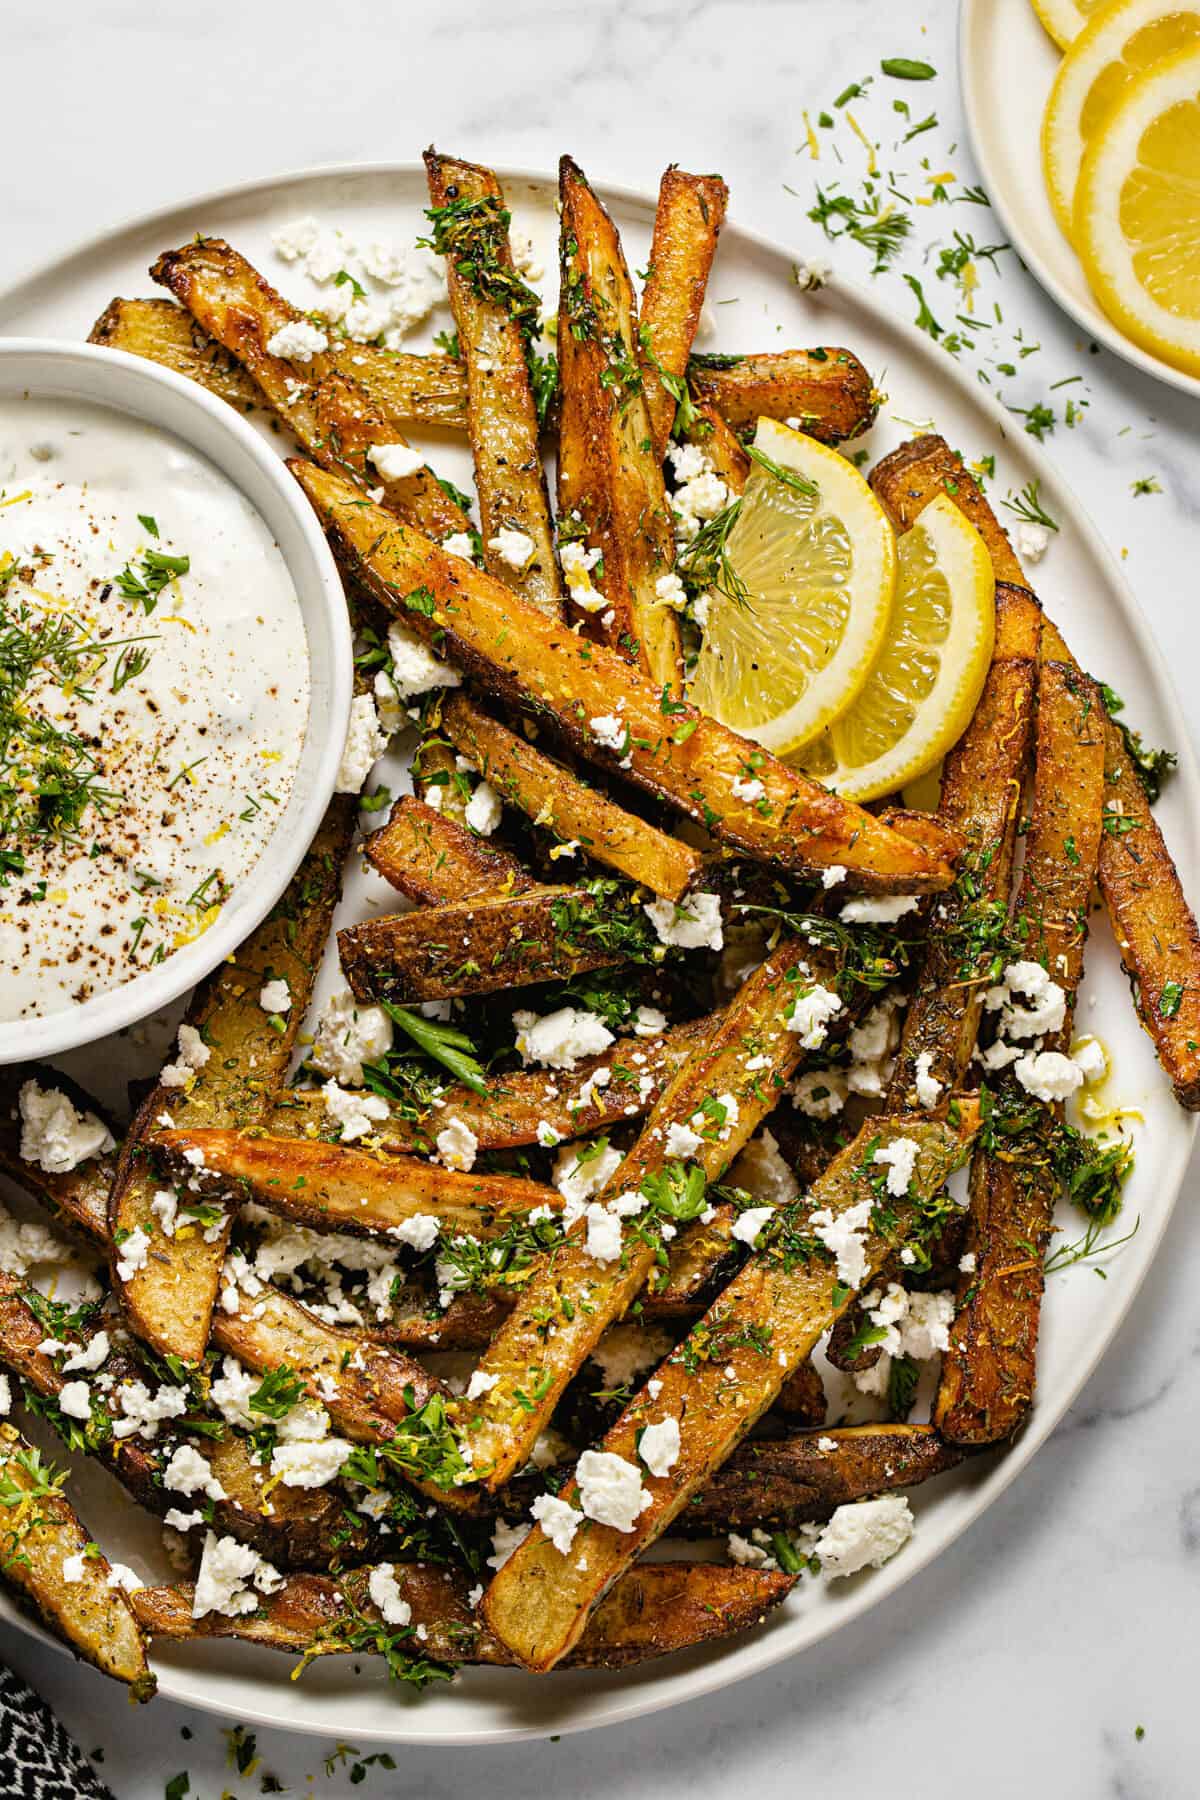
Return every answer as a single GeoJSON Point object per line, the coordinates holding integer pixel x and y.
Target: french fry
{"type": "Point", "coordinates": [719, 1381]}
{"type": "Point", "coordinates": [496, 316]}
{"type": "Point", "coordinates": [432, 859]}
{"type": "Point", "coordinates": [680, 756]}
{"type": "Point", "coordinates": [687, 223]}
{"type": "Point", "coordinates": [169, 1297]}
{"type": "Point", "coordinates": [609, 471]}
{"type": "Point", "coordinates": [827, 390]}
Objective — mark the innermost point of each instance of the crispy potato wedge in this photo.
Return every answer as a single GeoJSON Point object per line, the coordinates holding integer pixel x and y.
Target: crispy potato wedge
{"type": "Point", "coordinates": [981, 798]}
{"type": "Point", "coordinates": [654, 1611]}
{"type": "Point", "coordinates": [1153, 924]}
{"type": "Point", "coordinates": [170, 1298]}
{"type": "Point", "coordinates": [827, 390]}
{"type": "Point", "coordinates": [572, 1297]}
{"type": "Point", "coordinates": [319, 398]}
{"type": "Point", "coordinates": [489, 301]}
{"type": "Point", "coordinates": [418, 390]}
{"type": "Point", "coordinates": [333, 1187]}
{"type": "Point", "coordinates": [494, 942]}
{"type": "Point", "coordinates": [556, 798]}
{"type": "Point", "coordinates": [39, 1533]}
{"type": "Point", "coordinates": [609, 470]}
{"type": "Point", "coordinates": [432, 859]}
{"type": "Point", "coordinates": [989, 1371]}
{"type": "Point", "coordinates": [684, 759]}
{"type": "Point", "coordinates": [518, 1102]}
{"type": "Point", "coordinates": [790, 1480]}
{"type": "Point", "coordinates": [801, 1399]}
{"type": "Point", "coordinates": [762, 1327]}
{"type": "Point", "coordinates": [687, 223]}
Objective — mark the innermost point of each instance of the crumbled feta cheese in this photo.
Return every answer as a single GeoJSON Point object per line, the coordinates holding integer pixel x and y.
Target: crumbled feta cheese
{"type": "Point", "coordinates": [484, 809]}
{"type": "Point", "coordinates": [821, 1094]}
{"type": "Point", "coordinates": [864, 1534]}
{"type": "Point", "coordinates": [577, 564]}
{"type": "Point", "coordinates": [610, 1489]}
{"type": "Point", "coordinates": [747, 1554]}
{"type": "Point", "coordinates": [90, 1357]}
{"type": "Point", "coordinates": [547, 1136]}
{"type": "Point", "coordinates": [506, 1539]}
{"type": "Point", "coordinates": [900, 1157]}
{"type": "Point", "coordinates": [310, 1462]}
{"type": "Point", "coordinates": [457, 1145]}
{"type": "Point", "coordinates": [1048, 1075]}
{"type": "Point", "coordinates": [833, 875]}
{"type": "Point", "coordinates": [459, 543]}
{"type": "Point", "coordinates": [189, 1473]}
{"type": "Point", "coordinates": [347, 1036]}
{"type": "Point", "coordinates": [193, 1054]}
{"type": "Point", "coordinates": [967, 1262]}
{"type": "Point", "coordinates": [626, 1351]}
{"type": "Point", "coordinates": [73, 1568]}
{"type": "Point", "coordinates": [75, 1399]}
{"type": "Point", "coordinates": [1045, 1008]}
{"type": "Point", "coordinates": [298, 340]}
{"type": "Point", "coordinates": [56, 1136]}
{"type": "Point", "coordinates": [366, 742]}
{"type": "Point", "coordinates": [681, 1140]}
{"type": "Point", "coordinates": [352, 1110]}
{"type": "Point", "coordinates": [827, 1445]}
{"type": "Point", "coordinates": [658, 1446]}
{"type": "Point", "coordinates": [928, 1086]}
{"type": "Point", "coordinates": [844, 1236]}
{"type": "Point", "coordinates": [132, 1253]}
{"type": "Point", "coordinates": [275, 996]}
{"type": "Point", "coordinates": [415, 669]}
{"type": "Point", "coordinates": [693, 923]}
{"type": "Point", "coordinates": [670, 591]}
{"type": "Point", "coordinates": [230, 1393]}
{"type": "Point", "coordinates": [1032, 541]}
{"type": "Point", "coordinates": [120, 1575]}
{"type": "Point", "coordinates": [5, 1396]}
{"type": "Point", "coordinates": [560, 1039]}
{"type": "Point", "coordinates": [603, 1241]}
{"type": "Point", "coordinates": [581, 1170]}
{"type": "Point", "coordinates": [749, 1223]}
{"type": "Point", "coordinates": [142, 1412]}
{"type": "Point", "coordinates": [747, 788]}
{"type": "Point", "coordinates": [385, 1592]}
{"type": "Point", "coordinates": [395, 462]}
{"type": "Point", "coordinates": [812, 273]}
{"type": "Point", "coordinates": [609, 731]}
{"type": "Point", "coordinates": [558, 1519]}
{"type": "Point", "coordinates": [1089, 1058]}
{"type": "Point", "coordinates": [513, 547]}
{"type": "Point", "coordinates": [420, 1232]}
{"type": "Point", "coordinates": [481, 1383]}
{"type": "Point", "coordinates": [648, 1021]}
{"type": "Point", "coordinates": [223, 1580]}
{"type": "Point", "coordinates": [811, 1014]}
{"type": "Point", "coordinates": [294, 240]}
{"type": "Point", "coordinates": [764, 1172]}
{"type": "Point", "coordinates": [916, 1325]}
{"type": "Point", "coordinates": [880, 911]}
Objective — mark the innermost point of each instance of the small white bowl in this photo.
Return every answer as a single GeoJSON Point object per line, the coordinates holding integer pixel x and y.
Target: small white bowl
{"type": "Point", "coordinates": [142, 390]}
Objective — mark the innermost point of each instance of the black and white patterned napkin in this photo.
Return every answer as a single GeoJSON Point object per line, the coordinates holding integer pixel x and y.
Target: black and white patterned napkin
{"type": "Point", "coordinates": [38, 1760]}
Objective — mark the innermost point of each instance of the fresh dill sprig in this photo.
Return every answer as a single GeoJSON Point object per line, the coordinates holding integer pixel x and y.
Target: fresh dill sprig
{"type": "Point", "coordinates": [1027, 505]}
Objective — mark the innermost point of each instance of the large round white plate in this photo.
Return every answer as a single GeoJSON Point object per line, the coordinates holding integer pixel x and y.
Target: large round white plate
{"type": "Point", "coordinates": [758, 306]}
{"type": "Point", "coordinates": [1007, 65]}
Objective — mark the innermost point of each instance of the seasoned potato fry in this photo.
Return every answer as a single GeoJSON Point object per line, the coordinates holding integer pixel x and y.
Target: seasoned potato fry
{"type": "Point", "coordinates": [687, 223]}
{"type": "Point", "coordinates": [556, 798]}
{"type": "Point", "coordinates": [333, 1187]}
{"type": "Point", "coordinates": [494, 942]}
{"type": "Point", "coordinates": [989, 1371]}
{"type": "Point", "coordinates": [432, 859]}
{"type": "Point", "coordinates": [827, 390]}
{"type": "Point", "coordinates": [762, 1327]}
{"type": "Point", "coordinates": [169, 1298]}
{"type": "Point", "coordinates": [40, 1533]}
{"type": "Point", "coordinates": [610, 480]}
{"type": "Point", "coordinates": [655, 1610]}
{"type": "Point", "coordinates": [566, 1305]}
{"type": "Point", "coordinates": [683, 758]}
{"type": "Point", "coordinates": [496, 315]}
{"type": "Point", "coordinates": [320, 398]}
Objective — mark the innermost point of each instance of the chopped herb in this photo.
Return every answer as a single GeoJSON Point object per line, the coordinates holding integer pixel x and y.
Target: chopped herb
{"type": "Point", "coordinates": [903, 68]}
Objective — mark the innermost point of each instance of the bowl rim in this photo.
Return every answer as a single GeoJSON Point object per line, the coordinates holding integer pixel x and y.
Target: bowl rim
{"type": "Point", "coordinates": [136, 387]}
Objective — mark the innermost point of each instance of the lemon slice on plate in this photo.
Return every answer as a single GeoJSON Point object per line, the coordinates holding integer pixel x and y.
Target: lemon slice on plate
{"type": "Point", "coordinates": [811, 562]}
{"type": "Point", "coordinates": [1137, 212]}
{"type": "Point", "coordinates": [1065, 19]}
{"type": "Point", "coordinates": [926, 682]}
{"type": "Point", "coordinates": [1117, 47]}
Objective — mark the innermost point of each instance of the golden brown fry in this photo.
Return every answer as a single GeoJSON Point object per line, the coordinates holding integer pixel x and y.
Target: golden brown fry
{"type": "Point", "coordinates": [687, 223]}
{"type": "Point", "coordinates": [682, 757]}
{"type": "Point", "coordinates": [334, 1187]}
{"type": "Point", "coordinates": [489, 302]}
{"type": "Point", "coordinates": [610, 483]}
{"type": "Point", "coordinates": [717, 1383]}
{"type": "Point", "coordinates": [573, 1296]}
{"type": "Point", "coordinates": [554, 797]}
{"type": "Point", "coordinates": [827, 390]}
{"type": "Point", "coordinates": [170, 1298]}
{"type": "Point", "coordinates": [39, 1533]}
{"type": "Point", "coordinates": [318, 397]}
{"type": "Point", "coordinates": [432, 859]}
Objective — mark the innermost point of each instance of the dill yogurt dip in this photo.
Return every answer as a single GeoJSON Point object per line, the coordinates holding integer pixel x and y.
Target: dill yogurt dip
{"type": "Point", "coordinates": [154, 694]}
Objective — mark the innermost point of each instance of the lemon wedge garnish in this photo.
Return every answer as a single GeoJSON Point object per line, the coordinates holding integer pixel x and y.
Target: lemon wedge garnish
{"type": "Point", "coordinates": [1118, 46]}
{"type": "Point", "coordinates": [812, 563]}
{"type": "Point", "coordinates": [1065, 19]}
{"type": "Point", "coordinates": [1137, 212]}
{"type": "Point", "coordinates": [923, 689]}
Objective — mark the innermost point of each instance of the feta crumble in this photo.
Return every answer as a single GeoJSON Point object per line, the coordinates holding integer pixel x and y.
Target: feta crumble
{"type": "Point", "coordinates": [844, 1236]}
{"type": "Point", "coordinates": [879, 911]}
{"type": "Point", "coordinates": [900, 1158]}
{"type": "Point", "coordinates": [275, 996]}
{"type": "Point", "coordinates": [559, 1040]}
{"type": "Point", "coordinates": [928, 1087]}
{"type": "Point", "coordinates": [693, 923]}
{"type": "Point", "coordinates": [558, 1519]}
{"type": "Point", "coordinates": [385, 1592]}
{"type": "Point", "coordinates": [864, 1535]}
{"type": "Point", "coordinates": [298, 340]}
{"type": "Point", "coordinates": [513, 547]}
{"type": "Point", "coordinates": [749, 1223]}
{"type": "Point", "coordinates": [610, 1489]}
{"type": "Point", "coordinates": [395, 462]}
{"type": "Point", "coordinates": [54, 1134]}
{"type": "Point", "coordinates": [366, 742]}
{"type": "Point", "coordinates": [484, 809]}
{"type": "Point", "coordinates": [457, 1145]}
{"type": "Point", "coordinates": [347, 1036]}
{"type": "Point", "coordinates": [811, 1014]}
{"type": "Point", "coordinates": [231, 1577]}
{"type": "Point", "coordinates": [193, 1053]}
{"type": "Point", "coordinates": [658, 1445]}
{"type": "Point", "coordinates": [352, 1111]}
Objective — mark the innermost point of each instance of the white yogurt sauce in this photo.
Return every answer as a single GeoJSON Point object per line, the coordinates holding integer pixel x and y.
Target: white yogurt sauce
{"type": "Point", "coordinates": [175, 780]}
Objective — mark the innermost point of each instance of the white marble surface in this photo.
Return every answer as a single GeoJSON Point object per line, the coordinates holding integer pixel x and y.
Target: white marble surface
{"type": "Point", "coordinates": [1028, 1655]}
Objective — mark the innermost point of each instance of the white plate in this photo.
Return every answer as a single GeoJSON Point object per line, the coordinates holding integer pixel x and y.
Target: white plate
{"type": "Point", "coordinates": [1006, 65]}
{"type": "Point", "coordinates": [1082, 589]}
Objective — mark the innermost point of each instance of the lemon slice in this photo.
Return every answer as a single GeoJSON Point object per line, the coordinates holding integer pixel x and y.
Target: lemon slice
{"type": "Point", "coordinates": [924, 687]}
{"type": "Point", "coordinates": [1137, 212]}
{"type": "Point", "coordinates": [1118, 46]}
{"type": "Point", "coordinates": [1065, 19]}
{"type": "Point", "coordinates": [817, 562]}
